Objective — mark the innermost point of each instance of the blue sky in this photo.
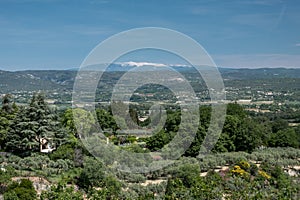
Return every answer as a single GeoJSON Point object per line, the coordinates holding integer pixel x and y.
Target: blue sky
{"type": "Point", "coordinates": [58, 34]}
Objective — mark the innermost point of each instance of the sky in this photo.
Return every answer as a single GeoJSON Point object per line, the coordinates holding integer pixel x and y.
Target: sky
{"type": "Point", "coordinates": [59, 34]}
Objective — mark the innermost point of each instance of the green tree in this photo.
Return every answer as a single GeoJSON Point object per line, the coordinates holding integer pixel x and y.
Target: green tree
{"type": "Point", "coordinates": [279, 124]}
{"type": "Point", "coordinates": [83, 121]}
{"type": "Point", "coordinates": [68, 122]}
{"type": "Point", "coordinates": [92, 174]}
{"type": "Point", "coordinates": [205, 115]}
{"type": "Point", "coordinates": [7, 114]}
{"type": "Point", "coordinates": [175, 189]}
{"type": "Point", "coordinates": [33, 125]}
{"type": "Point", "coordinates": [236, 110]}
{"type": "Point", "coordinates": [5, 177]}
{"type": "Point", "coordinates": [111, 189]}
{"type": "Point", "coordinates": [158, 140]}
{"type": "Point", "coordinates": [249, 136]}
{"type": "Point", "coordinates": [7, 104]}
{"type": "Point", "coordinates": [106, 120]}
{"type": "Point", "coordinates": [61, 192]}
{"type": "Point", "coordinates": [195, 146]}
{"type": "Point", "coordinates": [224, 144]}
{"type": "Point", "coordinates": [173, 121]}
{"type": "Point", "coordinates": [20, 191]}
{"type": "Point", "coordinates": [285, 138]}
{"type": "Point", "coordinates": [4, 127]}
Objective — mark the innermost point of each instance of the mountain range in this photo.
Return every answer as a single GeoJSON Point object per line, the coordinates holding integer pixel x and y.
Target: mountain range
{"type": "Point", "coordinates": [32, 80]}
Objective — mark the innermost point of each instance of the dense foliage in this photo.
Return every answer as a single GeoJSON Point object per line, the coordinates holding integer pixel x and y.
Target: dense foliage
{"type": "Point", "coordinates": [256, 157]}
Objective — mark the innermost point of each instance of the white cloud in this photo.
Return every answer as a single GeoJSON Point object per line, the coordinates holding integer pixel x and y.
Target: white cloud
{"type": "Point", "coordinates": [297, 45]}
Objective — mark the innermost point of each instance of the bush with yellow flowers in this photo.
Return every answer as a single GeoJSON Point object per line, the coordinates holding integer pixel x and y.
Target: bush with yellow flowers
{"type": "Point", "coordinates": [264, 174]}
{"type": "Point", "coordinates": [237, 170]}
{"type": "Point", "coordinates": [242, 168]}
{"type": "Point", "coordinates": [244, 165]}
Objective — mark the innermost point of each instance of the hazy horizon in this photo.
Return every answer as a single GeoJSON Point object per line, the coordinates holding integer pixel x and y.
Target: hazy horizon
{"type": "Point", "coordinates": [172, 64]}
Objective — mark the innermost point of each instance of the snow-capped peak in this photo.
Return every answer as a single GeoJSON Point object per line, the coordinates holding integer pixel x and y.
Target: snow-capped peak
{"type": "Point", "coordinates": [139, 64]}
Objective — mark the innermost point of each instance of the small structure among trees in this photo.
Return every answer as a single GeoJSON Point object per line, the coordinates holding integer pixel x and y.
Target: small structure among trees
{"type": "Point", "coordinates": [46, 146]}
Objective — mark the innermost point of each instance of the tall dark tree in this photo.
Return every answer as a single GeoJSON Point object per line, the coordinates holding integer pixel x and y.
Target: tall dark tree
{"type": "Point", "coordinates": [195, 147]}
{"type": "Point", "coordinates": [4, 126]}
{"type": "Point", "coordinates": [33, 126]}
{"type": "Point", "coordinates": [7, 104]}
{"type": "Point", "coordinates": [7, 114]}
{"type": "Point", "coordinates": [249, 135]}
{"type": "Point", "coordinates": [106, 120]}
{"type": "Point", "coordinates": [236, 110]}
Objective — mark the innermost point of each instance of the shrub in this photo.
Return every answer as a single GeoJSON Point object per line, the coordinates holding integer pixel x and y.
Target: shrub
{"type": "Point", "coordinates": [61, 192]}
{"type": "Point", "coordinates": [131, 177]}
{"type": "Point", "coordinates": [244, 165]}
{"type": "Point", "coordinates": [65, 151]}
{"type": "Point", "coordinates": [20, 191]}
{"type": "Point", "coordinates": [237, 170]}
{"type": "Point", "coordinates": [92, 174]}
{"type": "Point", "coordinates": [6, 174]}
{"type": "Point", "coordinates": [264, 174]}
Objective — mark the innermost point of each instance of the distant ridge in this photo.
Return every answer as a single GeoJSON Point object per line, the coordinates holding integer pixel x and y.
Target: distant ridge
{"type": "Point", "coordinates": [126, 66]}
{"type": "Point", "coordinates": [30, 80]}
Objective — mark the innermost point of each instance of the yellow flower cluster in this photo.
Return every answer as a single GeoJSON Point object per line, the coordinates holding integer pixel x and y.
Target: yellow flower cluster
{"type": "Point", "coordinates": [238, 170]}
{"type": "Point", "coordinates": [264, 174]}
{"type": "Point", "coordinates": [242, 169]}
{"type": "Point", "coordinates": [244, 164]}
